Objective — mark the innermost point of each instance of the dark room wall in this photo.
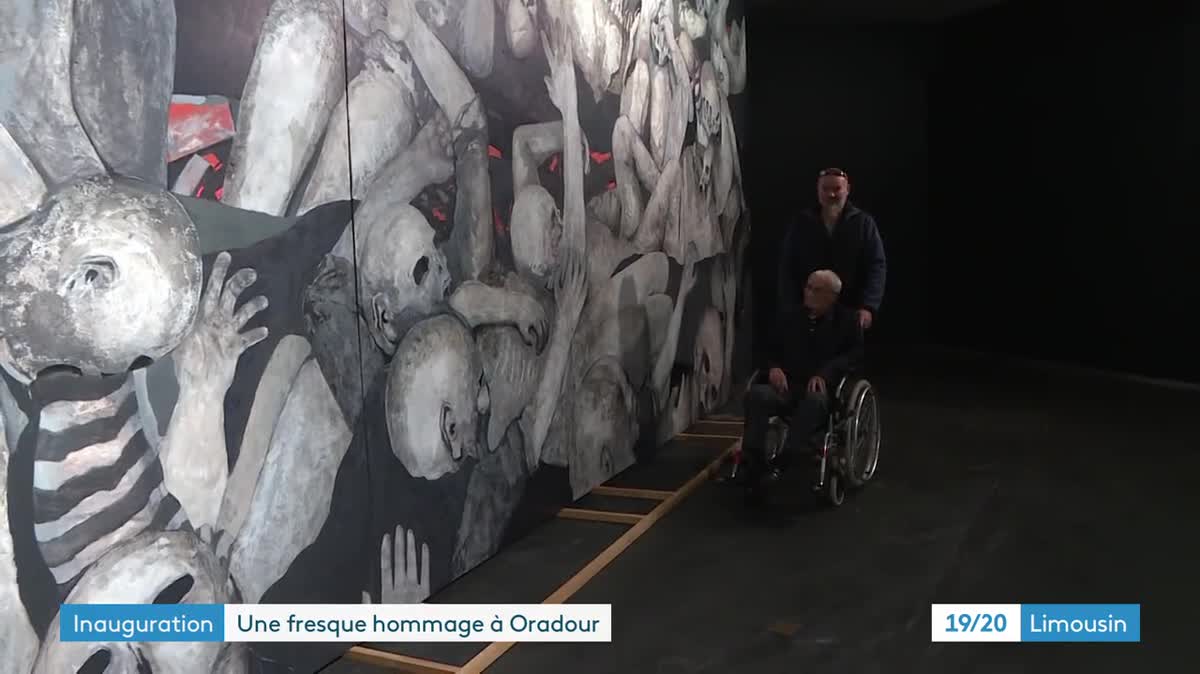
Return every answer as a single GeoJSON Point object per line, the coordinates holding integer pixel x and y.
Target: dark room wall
{"type": "Point", "coordinates": [1064, 145]}
{"type": "Point", "coordinates": [852, 97]}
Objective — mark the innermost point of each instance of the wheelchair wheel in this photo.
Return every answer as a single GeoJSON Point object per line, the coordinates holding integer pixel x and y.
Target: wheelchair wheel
{"type": "Point", "coordinates": [835, 489]}
{"type": "Point", "coordinates": [862, 434]}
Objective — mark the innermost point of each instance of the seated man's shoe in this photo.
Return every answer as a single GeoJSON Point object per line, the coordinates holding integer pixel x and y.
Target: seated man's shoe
{"type": "Point", "coordinates": [771, 476]}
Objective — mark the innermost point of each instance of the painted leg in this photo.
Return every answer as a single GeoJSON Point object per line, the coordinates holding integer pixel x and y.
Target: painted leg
{"type": "Point", "coordinates": [295, 82]}
{"type": "Point", "coordinates": [122, 77]}
{"type": "Point", "coordinates": [36, 105]}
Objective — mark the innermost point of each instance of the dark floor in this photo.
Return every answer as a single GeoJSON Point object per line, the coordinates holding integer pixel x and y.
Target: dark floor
{"type": "Point", "coordinates": [997, 484]}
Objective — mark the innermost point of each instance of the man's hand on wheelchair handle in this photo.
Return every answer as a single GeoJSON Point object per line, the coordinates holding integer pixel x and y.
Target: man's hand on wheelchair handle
{"type": "Point", "coordinates": [865, 318]}
{"type": "Point", "coordinates": [778, 379]}
{"type": "Point", "coordinates": [816, 385]}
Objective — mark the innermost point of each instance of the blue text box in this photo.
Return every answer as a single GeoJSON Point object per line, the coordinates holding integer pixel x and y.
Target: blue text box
{"type": "Point", "coordinates": [1081, 622]}
{"type": "Point", "coordinates": [141, 622]}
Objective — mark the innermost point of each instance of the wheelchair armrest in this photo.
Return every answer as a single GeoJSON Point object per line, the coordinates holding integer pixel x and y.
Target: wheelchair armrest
{"type": "Point", "coordinates": [841, 387]}
{"type": "Point", "coordinates": [753, 379]}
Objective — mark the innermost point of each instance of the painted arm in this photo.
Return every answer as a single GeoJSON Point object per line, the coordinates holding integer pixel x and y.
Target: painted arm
{"type": "Point", "coordinates": [564, 94]}
{"type": "Point", "coordinates": [570, 290]}
{"type": "Point", "coordinates": [428, 160]}
{"type": "Point", "coordinates": [193, 453]}
{"type": "Point", "coordinates": [449, 86]}
{"type": "Point", "coordinates": [681, 101]}
{"type": "Point", "coordinates": [480, 304]}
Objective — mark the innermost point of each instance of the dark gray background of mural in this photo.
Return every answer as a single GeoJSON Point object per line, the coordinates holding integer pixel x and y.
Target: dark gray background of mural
{"type": "Point", "coordinates": [314, 292]}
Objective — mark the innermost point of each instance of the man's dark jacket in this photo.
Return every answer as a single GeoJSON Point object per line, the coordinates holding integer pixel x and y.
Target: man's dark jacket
{"type": "Point", "coordinates": [830, 346]}
{"type": "Point", "coordinates": [854, 252]}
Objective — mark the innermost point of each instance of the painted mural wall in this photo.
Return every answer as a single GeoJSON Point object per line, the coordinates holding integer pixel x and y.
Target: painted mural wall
{"type": "Point", "coordinates": [304, 301]}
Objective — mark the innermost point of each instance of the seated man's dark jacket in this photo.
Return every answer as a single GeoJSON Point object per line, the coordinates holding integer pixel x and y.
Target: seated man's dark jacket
{"type": "Point", "coordinates": [854, 252]}
{"type": "Point", "coordinates": [804, 347]}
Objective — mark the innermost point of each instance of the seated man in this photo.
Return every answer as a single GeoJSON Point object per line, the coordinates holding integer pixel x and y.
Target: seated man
{"type": "Point", "coordinates": [812, 347]}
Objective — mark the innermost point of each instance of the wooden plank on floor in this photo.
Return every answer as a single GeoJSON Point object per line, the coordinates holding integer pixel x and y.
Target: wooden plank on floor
{"type": "Point", "coordinates": [708, 436]}
{"type": "Point", "coordinates": [493, 651]}
{"type": "Point", "coordinates": [599, 515]}
{"type": "Point", "coordinates": [633, 492]}
{"type": "Point", "coordinates": [397, 662]}
{"type": "Point", "coordinates": [723, 422]}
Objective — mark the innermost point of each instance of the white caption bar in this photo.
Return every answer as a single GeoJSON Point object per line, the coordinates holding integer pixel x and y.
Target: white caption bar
{"type": "Point", "coordinates": [418, 622]}
{"type": "Point", "coordinates": [976, 622]}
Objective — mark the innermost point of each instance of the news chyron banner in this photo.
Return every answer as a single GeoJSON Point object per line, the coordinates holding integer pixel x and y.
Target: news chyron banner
{"type": "Point", "coordinates": [1037, 622]}
{"type": "Point", "coordinates": [335, 622]}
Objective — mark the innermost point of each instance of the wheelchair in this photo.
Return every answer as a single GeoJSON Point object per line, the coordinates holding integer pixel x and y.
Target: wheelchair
{"type": "Point", "coordinates": [847, 445]}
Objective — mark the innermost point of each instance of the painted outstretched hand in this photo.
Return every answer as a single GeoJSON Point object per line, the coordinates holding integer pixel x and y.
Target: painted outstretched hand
{"type": "Point", "coordinates": [402, 580]}
{"type": "Point", "coordinates": [560, 83]}
{"type": "Point", "coordinates": [210, 352]}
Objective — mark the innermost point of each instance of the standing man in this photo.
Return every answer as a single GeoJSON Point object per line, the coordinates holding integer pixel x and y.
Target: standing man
{"type": "Point", "coordinates": [839, 236]}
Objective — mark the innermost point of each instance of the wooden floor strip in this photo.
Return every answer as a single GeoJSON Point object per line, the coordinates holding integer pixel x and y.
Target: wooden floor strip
{"type": "Point", "coordinates": [493, 651]}
{"type": "Point", "coordinates": [633, 492]}
{"type": "Point", "coordinates": [600, 515]}
{"type": "Point", "coordinates": [708, 436]}
{"type": "Point", "coordinates": [399, 663]}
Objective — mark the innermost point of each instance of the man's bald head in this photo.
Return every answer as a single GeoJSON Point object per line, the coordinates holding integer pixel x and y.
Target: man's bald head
{"type": "Point", "coordinates": [822, 291]}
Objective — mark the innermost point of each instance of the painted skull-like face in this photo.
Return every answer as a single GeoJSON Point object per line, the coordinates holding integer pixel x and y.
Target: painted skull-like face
{"type": "Point", "coordinates": [402, 272]}
{"type": "Point", "coordinates": [536, 233]}
{"type": "Point", "coordinates": [107, 272]}
{"type": "Point", "coordinates": [708, 106]}
{"type": "Point", "coordinates": [605, 426]}
{"type": "Point", "coordinates": [437, 398]}
{"type": "Point", "coordinates": [162, 568]}
{"type": "Point", "coordinates": [708, 361]}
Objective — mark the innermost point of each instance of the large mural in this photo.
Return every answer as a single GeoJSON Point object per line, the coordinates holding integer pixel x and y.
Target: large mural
{"type": "Point", "coordinates": [312, 301]}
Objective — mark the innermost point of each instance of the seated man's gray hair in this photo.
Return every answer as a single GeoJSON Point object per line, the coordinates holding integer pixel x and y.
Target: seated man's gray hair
{"type": "Point", "coordinates": [830, 279]}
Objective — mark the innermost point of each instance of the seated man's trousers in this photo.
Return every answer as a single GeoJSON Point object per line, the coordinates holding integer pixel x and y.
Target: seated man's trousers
{"type": "Point", "coordinates": [806, 414]}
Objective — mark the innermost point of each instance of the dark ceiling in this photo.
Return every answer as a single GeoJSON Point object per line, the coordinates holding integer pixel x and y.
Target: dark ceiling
{"type": "Point", "coordinates": [871, 11]}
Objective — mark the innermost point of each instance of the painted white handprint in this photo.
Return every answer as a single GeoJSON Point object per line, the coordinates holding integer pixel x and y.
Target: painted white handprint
{"type": "Point", "coordinates": [402, 580]}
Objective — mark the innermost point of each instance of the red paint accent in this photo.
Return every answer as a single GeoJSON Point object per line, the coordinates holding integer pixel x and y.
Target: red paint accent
{"type": "Point", "coordinates": [494, 152]}
{"type": "Point", "coordinates": [200, 191]}
{"type": "Point", "coordinates": [612, 185]}
{"type": "Point", "coordinates": [437, 213]}
{"type": "Point", "coordinates": [219, 193]}
{"type": "Point", "coordinates": [192, 127]}
{"type": "Point", "coordinates": [499, 224]}
{"type": "Point", "coordinates": [554, 164]}
{"type": "Point", "coordinates": [213, 160]}
{"type": "Point", "coordinates": [601, 157]}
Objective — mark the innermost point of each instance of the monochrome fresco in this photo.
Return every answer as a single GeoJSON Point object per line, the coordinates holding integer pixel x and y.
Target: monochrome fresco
{"type": "Point", "coordinates": [304, 301]}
